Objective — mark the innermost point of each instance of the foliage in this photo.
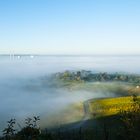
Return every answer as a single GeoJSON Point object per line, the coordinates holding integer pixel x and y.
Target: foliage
{"type": "Point", "coordinates": [30, 131]}
{"type": "Point", "coordinates": [131, 120]}
{"type": "Point", "coordinates": [90, 76]}
{"type": "Point", "coordinates": [9, 131]}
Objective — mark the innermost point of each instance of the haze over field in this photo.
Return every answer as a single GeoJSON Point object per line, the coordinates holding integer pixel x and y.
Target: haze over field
{"type": "Point", "coordinates": [23, 93]}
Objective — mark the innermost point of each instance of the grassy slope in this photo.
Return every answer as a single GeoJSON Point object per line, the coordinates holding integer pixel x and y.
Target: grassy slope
{"type": "Point", "coordinates": [110, 106]}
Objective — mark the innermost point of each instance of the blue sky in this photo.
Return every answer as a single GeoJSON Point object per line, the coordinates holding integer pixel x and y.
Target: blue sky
{"type": "Point", "coordinates": [70, 26]}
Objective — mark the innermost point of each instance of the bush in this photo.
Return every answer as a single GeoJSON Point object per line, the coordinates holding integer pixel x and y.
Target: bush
{"type": "Point", "coordinates": [130, 121]}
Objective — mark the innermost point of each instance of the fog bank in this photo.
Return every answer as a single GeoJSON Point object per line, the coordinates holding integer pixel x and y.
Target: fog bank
{"type": "Point", "coordinates": [22, 93]}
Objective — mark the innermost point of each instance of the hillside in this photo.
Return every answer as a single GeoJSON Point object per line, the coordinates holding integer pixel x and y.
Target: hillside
{"type": "Point", "coordinates": [110, 106]}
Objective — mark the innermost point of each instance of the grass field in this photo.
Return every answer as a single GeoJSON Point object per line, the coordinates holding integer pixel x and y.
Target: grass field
{"type": "Point", "coordinates": [110, 106]}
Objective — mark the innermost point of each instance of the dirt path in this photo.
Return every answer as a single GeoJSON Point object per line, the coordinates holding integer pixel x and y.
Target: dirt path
{"type": "Point", "coordinates": [86, 116]}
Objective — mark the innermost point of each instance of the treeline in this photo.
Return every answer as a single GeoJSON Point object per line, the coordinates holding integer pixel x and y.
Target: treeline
{"type": "Point", "coordinates": [91, 77]}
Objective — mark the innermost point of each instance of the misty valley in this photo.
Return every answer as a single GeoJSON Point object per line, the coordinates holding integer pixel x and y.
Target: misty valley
{"type": "Point", "coordinates": [69, 70]}
{"type": "Point", "coordinates": [40, 101]}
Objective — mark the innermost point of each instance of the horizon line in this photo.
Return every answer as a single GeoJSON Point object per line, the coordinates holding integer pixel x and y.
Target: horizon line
{"type": "Point", "coordinates": [35, 54]}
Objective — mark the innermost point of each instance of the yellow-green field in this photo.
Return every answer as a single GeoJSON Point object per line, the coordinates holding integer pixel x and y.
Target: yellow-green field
{"type": "Point", "coordinates": [110, 106]}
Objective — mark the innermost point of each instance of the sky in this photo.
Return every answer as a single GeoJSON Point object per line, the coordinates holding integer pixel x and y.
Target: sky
{"type": "Point", "coordinates": [70, 27]}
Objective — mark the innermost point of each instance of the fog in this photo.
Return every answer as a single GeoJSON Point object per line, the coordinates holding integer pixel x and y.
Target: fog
{"type": "Point", "coordinates": [22, 93]}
